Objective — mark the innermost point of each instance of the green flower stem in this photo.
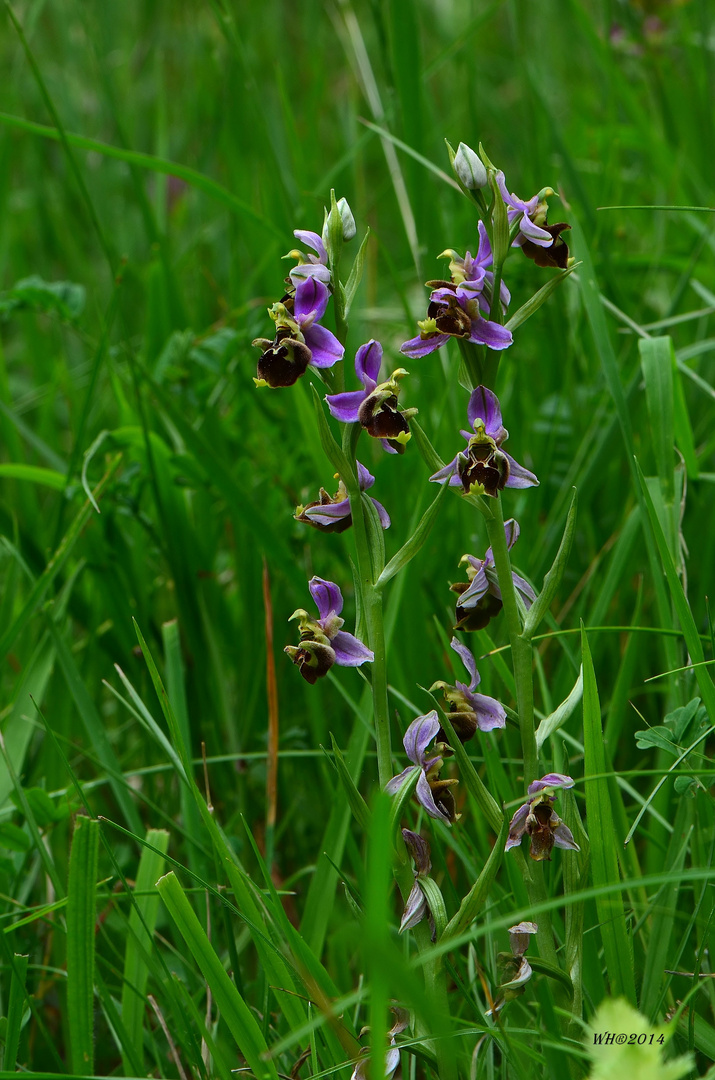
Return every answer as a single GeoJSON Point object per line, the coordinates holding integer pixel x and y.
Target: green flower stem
{"type": "Point", "coordinates": [480, 364]}
{"type": "Point", "coordinates": [434, 973]}
{"type": "Point", "coordinates": [371, 608]}
{"type": "Point", "coordinates": [521, 651]}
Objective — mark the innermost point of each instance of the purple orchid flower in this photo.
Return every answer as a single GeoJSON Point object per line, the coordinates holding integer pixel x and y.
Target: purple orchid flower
{"type": "Point", "coordinates": [541, 242]}
{"type": "Point", "coordinates": [322, 642]}
{"type": "Point", "coordinates": [468, 711]}
{"type": "Point", "coordinates": [417, 908]}
{"type": "Point", "coordinates": [333, 514]}
{"type": "Point", "coordinates": [483, 467]}
{"type": "Point", "coordinates": [392, 1056]}
{"type": "Point", "coordinates": [432, 793]}
{"type": "Point", "coordinates": [309, 266]}
{"type": "Point", "coordinates": [539, 821]}
{"type": "Point", "coordinates": [515, 968]}
{"type": "Point", "coordinates": [479, 599]}
{"type": "Point", "coordinates": [375, 406]}
{"type": "Point", "coordinates": [300, 339]}
{"type": "Point", "coordinates": [456, 306]}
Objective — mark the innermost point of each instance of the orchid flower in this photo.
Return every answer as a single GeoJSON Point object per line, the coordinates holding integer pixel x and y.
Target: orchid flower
{"type": "Point", "coordinates": [538, 820]}
{"type": "Point", "coordinates": [333, 514]}
{"type": "Point", "coordinates": [300, 339]}
{"type": "Point", "coordinates": [322, 642]}
{"type": "Point", "coordinates": [375, 406]}
{"type": "Point", "coordinates": [479, 599]}
{"type": "Point", "coordinates": [483, 467]}
{"type": "Point", "coordinates": [432, 793]}
{"type": "Point", "coordinates": [468, 711]}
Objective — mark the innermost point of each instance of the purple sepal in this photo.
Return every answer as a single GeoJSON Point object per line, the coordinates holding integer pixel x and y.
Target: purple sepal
{"type": "Point", "coordinates": [551, 780]}
{"type": "Point", "coordinates": [367, 363]}
{"type": "Point", "coordinates": [415, 909]}
{"type": "Point", "coordinates": [426, 799]}
{"type": "Point", "coordinates": [325, 348]}
{"type": "Point", "coordinates": [312, 240]}
{"type": "Point", "coordinates": [468, 660]}
{"type": "Point", "coordinates": [331, 512]}
{"type": "Point", "coordinates": [393, 786]}
{"type": "Point", "coordinates": [344, 407]}
{"type": "Point", "coordinates": [490, 712]}
{"type": "Point", "coordinates": [490, 333]}
{"type": "Point", "coordinates": [316, 270]}
{"type": "Point", "coordinates": [419, 346]}
{"type": "Point", "coordinates": [327, 596]}
{"type": "Point", "coordinates": [419, 735]}
{"type": "Point", "coordinates": [349, 651]}
{"type": "Point", "coordinates": [419, 849]}
{"type": "Point", "coordinates": [484, 405]}
{"type": "Point", "coordinates": [517, 827]}
{"type": "Point", "coordinates": [563, 838]}
{"type": "Point", "coordinates": [519, 476]}
{"type": "Point", "coordinates": [534, 233]}
{"type": "Point", "coordinates": [527, 593]}
{"type": "Point", "coordinates": [311, 299]}
{"type": "Point", "coordinates": [381, 513]}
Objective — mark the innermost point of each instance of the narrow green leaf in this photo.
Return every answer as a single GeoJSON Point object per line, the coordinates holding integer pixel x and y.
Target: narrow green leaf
{"type": "Point", "coordinates": [409, 549]}
{"type": "Point", "coordinates": [333, 451]}
{"type": "Point", "coordinates": [234, 1011]}
{"type": "Point", "coordinates": [358, 805]}
{"type": "Point", "coordinates": [142, 921]}
{"type": "Point", "coordinates": [683, 430]}
{"type": "Point", "coordinates": [429, 454]}
{"type": "Point", "coordinates": [553, 578]}
{"type": "Point", "coordinates": [355, 276]}
{"type": "Point", "coordinates": [15, 1011]}
{"type": "Point", "coordinates": [81, 918]}
{"type": "Point", "coordinates": [664, 910]}
{"type": "Point", "coordinates": [94, 727]}
{"type": "Point", "coordinates": [604, 858]}
{"type": "Point", "coordinates": [657, 360]}
{"type": "Point", "coordinates": [473, 903]}
{"type": "Point", "coordinates": [534, 303]}
{"type": "Point", "coordinates": [275, 967]}
{"type": "Point", "coordinates": [34, 474]}
{"type": "Point", "coordinates": [551, 724]}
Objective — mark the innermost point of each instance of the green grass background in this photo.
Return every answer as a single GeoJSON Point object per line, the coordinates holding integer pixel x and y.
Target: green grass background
{"type": "Point", "coordinates": [214, 130]}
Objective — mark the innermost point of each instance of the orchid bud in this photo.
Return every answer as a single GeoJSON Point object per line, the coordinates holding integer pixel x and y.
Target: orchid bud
{"type": "Point", "coordinates": [468, 168]}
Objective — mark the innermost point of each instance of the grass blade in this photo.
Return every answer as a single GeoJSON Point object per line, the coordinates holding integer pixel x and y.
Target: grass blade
{"type": "Point", "coordinates": [236, 1014]}
{"type": "Point", "coordinates": [604, 859]}
{"type": "Point", "coordinates": [81, 887]}
{"type": "Point", "coordinates": [142, 920]}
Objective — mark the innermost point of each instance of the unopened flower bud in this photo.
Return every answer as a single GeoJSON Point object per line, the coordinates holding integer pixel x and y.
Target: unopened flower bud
{"type": "Point", "coordinates": [338, 227]}
{"type": "Point", "coordinates": [468, 168]}
{"type": "Point", "coordinates": [347, 219]}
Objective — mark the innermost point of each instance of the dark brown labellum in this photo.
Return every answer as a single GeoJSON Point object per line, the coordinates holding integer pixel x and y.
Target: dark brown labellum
{"type": "Point", "coordinates": [283, 363]}
{"type": "Point", "coordinates": [556, 255]}
{"type": "Point", "coordinates": [478, 617]}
